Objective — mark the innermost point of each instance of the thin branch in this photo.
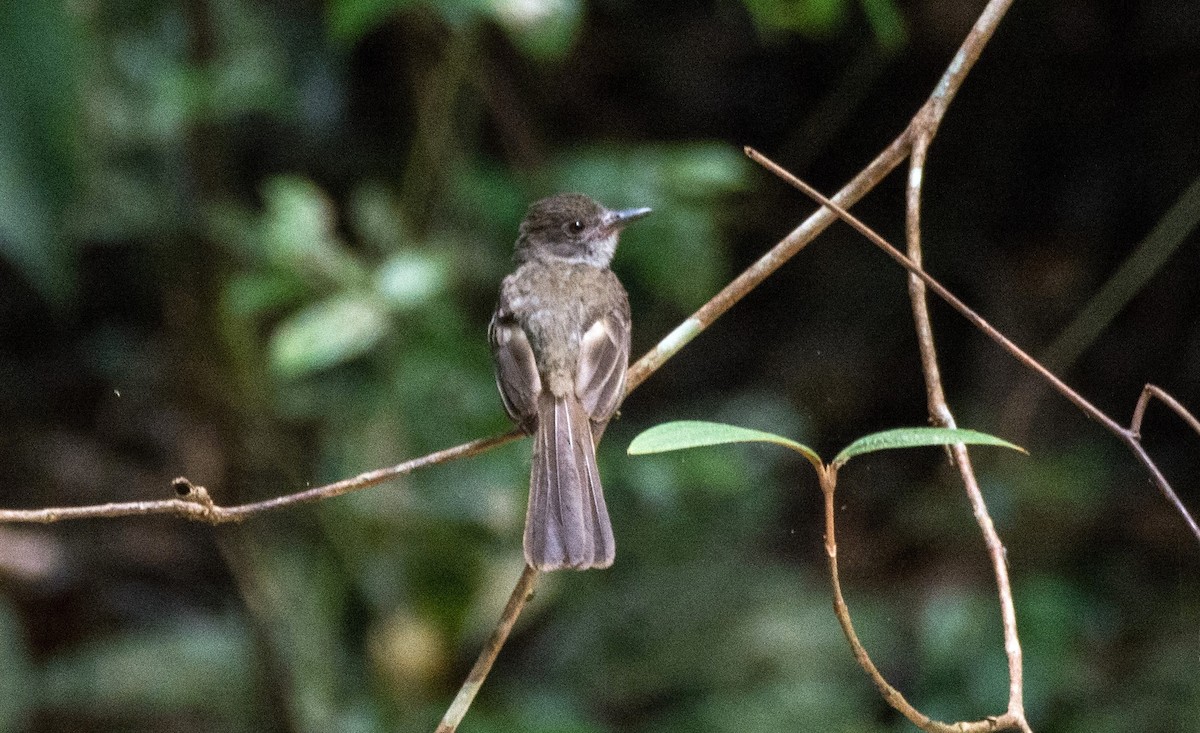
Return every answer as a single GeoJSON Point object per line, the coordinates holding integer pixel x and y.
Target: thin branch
{"type": "Point", "coordinates": [935, 396]}
{"type": "Point", "coordinates": [939, 412]}
{"type": "Point", "coordinates": [968, 53]}
{"type": "Point", "coordinates": [1129, 437]}
{"type": "Point", "coordinates": [1145, 261]}
{"type": "Point", "coordinates": [195, 502]}
{"type": "Point", "coordinates": [201, 507]}
{"type": "Point", "coordinates": [999, 559]}
{"type": "Point", "coordinates": [462, 701]}
{"type": "Point", "coordinates": [760, 270]}
{"type": "Point", "coordinates": [1135, 425]}
{"type": "Point", "coordinates": [977, 320]}
{"type": "Point", "coordinates": [895, 153]}
{"type": "Point", "coordinates": [1141, 265]}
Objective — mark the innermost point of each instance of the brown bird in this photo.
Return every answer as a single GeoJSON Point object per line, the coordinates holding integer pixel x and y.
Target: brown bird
{"type": "Point", "coordinates": [560, 342]}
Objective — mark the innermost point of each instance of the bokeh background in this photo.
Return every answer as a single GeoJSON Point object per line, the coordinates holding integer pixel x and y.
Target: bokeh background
{"type": "Point", "coordinates": [257, 243]}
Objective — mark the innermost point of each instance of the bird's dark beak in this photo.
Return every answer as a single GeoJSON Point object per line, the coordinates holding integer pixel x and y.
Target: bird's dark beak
{"type": "Point", "coordinates": [616, 220]}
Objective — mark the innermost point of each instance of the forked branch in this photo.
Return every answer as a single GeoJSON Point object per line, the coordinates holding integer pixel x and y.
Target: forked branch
{"type": "Point", "coordinates": [1130, 436]}
{"type": "Point", "coordinates": [940, 412]}
{"type": "Point", "coordinates": [1139, 412]}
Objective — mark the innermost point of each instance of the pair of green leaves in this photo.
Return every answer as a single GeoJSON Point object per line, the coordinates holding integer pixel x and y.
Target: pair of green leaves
{"type": "Point", "coordinates": [695, 434]}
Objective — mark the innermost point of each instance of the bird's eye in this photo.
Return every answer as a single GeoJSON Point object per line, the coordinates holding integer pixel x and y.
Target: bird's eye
{"type": "Point", "coordinates": [575, 227]}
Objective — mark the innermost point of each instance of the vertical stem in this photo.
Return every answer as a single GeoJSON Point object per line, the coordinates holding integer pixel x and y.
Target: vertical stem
{"type": "Point", "coordinates": [939, 413]}
{"type": "Point", "coordinates": [935, 396]}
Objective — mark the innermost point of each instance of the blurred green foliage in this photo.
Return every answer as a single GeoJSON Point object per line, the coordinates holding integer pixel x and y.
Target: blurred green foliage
{"type": "Point", "coordinates": [268, 237]}
{"type": "Point", "coordinates": [823, 18]}
{"type": "Point", "coordinates": [40, 50]}
{"type": "Point", "coordinates": [544, 30]}
{"type": "Point", "coordinates": [15, 691]}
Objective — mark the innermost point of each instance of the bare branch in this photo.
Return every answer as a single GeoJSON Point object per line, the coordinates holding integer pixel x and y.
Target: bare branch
{"type": "Point", "coordinates": [479, 672]}
{"type": "Point", "coordinates": [1135, 426]}
{"type": "Point", "coordinates": [968, 53]}
{"type": "Point", "coordinates": [939, 412]}
{"type": "Point", "coordinates": [977, 320]}
{"type": "Point", "coordinates": [195, 502]}
{"type": "Point", "coordinates": [924, 127]}
{"type": "Point", "coordinates": [1143, 263]}
{"type": "Point", "coordinates": [204, 510]}
{"type": "Point", "coordinates": [737, 289]}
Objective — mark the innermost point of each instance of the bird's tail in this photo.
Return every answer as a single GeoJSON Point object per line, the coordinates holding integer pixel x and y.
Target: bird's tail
{"type": "Point", "coordinates": [566, 525]}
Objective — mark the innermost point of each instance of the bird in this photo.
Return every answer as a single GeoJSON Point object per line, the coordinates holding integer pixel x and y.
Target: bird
{"type": "Point", "coordinates": [560, 338]}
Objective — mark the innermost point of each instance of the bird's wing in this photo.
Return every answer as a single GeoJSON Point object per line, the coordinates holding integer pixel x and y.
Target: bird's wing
{"type": "Point", "coordinates": [516, 369]}
{"type": "Point", "coordinates": [603, 361]}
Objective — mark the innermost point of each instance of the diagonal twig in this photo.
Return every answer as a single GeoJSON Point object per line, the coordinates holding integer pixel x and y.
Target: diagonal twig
{"type": "Point", "coordinates": [1135, 425]}
{"type": "Point", "coordinates": [479, 672]}
{"type": "Point", "coordinates": [1129, 437]}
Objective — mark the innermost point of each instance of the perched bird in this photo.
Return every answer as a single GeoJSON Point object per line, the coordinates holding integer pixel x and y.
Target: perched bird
{"type": "Point", "coordinates": [560, 343]}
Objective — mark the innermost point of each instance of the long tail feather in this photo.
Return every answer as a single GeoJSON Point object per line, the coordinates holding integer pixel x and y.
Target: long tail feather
{"type": "Point", "coordinates": [567, 524]}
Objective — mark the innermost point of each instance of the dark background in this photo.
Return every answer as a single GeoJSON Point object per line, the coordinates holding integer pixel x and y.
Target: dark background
{"type": "Point", "coordinates": [257, 243]}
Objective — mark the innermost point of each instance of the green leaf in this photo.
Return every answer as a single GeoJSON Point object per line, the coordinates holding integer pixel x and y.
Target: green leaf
{"type": "Point", "coordinates": [250, 296]}
{"type": "Point", "coordinates": [701, 170]}
{"type": "Point", "coordinates": [378, 219]}
{"type": "Point", "coordinates": [811, 18]}
{"type": "Point", "coordinates": [696, 434]}
{"type": "Point", "coordinates": [299, 233]}
{"type": "Point", "coordinates": [327, 333]}
{"type": "Point", "coordinates": [542, 30]}
{"type": "Point", "coordinates": [917, 437]}
{"type": "Point", "coordinates": [412, 278]}
{"type": "Point", "coordinates": [350, 20]}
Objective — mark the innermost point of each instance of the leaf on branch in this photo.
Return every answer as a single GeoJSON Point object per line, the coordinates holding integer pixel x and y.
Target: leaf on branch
{"type": "Point", "coordinates": [684, 434]}
{"type": "Point", "coordinates": [917, 437]}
